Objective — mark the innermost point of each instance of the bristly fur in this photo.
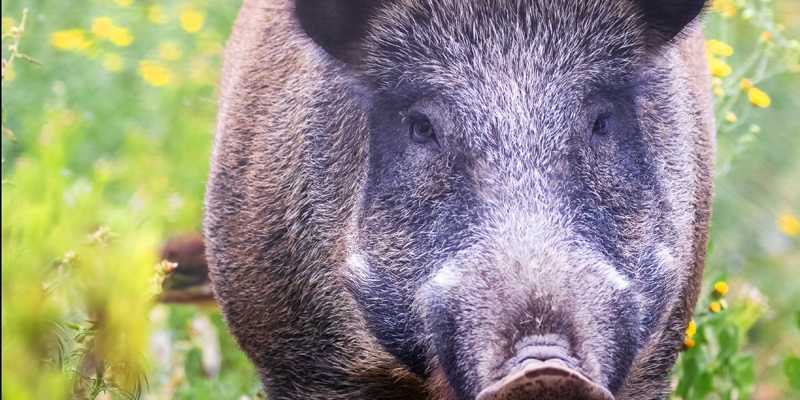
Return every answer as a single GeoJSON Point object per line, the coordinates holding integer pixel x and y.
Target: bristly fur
{"type": "Point", "coordinates": [351, 262]}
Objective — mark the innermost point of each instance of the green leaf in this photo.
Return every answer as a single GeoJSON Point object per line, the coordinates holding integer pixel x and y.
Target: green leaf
{"type": "Point", "coordinates": [744, 373]}
{"type": "Point", "coordinates": [690, 372]}
{"type": "Point", "coordinates": [792, 370]}
{"type": "Point", "coordinates": [73, 326]}
{"type": "Point", "coordinates": [728, 343]}
{"type": "Point", "coordinates": [193, 366]}
{"type": "Point", "coordinates": [705, 385]}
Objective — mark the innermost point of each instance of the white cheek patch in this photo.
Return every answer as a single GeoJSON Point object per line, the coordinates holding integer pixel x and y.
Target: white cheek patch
{"type": "Point", "coordinates": [356, 268]}
{"type": "Point", "coordinates": [665, 258]}
{"type": "Point", "coordinates": [609, 273]}
{"type": "Point", "coordinates": [446, 278]}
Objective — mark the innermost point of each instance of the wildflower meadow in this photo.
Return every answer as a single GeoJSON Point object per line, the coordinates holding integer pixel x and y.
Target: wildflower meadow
{"type": "Point", "coordinates": [108, 113]}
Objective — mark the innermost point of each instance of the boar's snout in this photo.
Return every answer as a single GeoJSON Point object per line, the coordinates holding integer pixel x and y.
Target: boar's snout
{"type": "Point", "coordinates": [543, 368]}
{"type": "Point", "coordinates": [550, 379]}
{"type": "Point", "coordinates": [540, 329]}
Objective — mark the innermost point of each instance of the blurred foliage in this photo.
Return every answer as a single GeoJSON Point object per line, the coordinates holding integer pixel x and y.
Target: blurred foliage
{"type": "Point", "coordinates": [112, 135]}
{"type": "Point", "coordinates": [749, 349]}
{"type": "Point", "coordinates": [713, 361]}
{"type": "Point", "coordinates": [105, 155]}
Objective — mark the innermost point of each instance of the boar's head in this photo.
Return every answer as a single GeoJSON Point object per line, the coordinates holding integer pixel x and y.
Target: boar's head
{"type": "Point", "coordinates": [469, 198]}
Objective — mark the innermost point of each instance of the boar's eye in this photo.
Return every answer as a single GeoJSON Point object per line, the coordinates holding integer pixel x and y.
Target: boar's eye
{"type": "Point", "coordinates": [422, 130]}
{"type": "Point", "coordinates": [602, 125]}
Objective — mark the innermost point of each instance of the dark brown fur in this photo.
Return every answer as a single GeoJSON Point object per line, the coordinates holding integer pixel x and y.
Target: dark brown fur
{"type": "Point", "coordinates": [281, 222]}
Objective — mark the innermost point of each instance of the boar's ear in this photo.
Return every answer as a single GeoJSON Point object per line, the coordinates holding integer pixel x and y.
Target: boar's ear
{"type": "Point", "coordinates": [667, 18]}
{"type": "Point", "coordinates": [338, 26]}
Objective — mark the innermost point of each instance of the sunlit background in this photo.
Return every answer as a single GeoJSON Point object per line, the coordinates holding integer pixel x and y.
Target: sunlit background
{"type": "Point", "coordinates": [108, 116]}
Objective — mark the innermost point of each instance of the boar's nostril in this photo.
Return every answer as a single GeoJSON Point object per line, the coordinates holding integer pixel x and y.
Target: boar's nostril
{"type": "Point", "coordinates": [543, 367]}
{"type": "Point", "coordinates": [551, 348]}
{"type": "Point", "coordinates": [541, 353]}
{"type": "Point", "coordinates": [544, 381]}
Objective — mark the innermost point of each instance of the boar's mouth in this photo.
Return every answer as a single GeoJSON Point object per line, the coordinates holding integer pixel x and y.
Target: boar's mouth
{"type": "Point", "coordinates": [550, 379]}
{"type": "Point", "coordinates": [544, 371]}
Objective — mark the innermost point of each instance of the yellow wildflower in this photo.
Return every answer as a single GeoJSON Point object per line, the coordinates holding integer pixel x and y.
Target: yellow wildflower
{"type": "Point", "coordinates": [192, 21]}
{"type": "Point", "coordinates": [102, 27]}
{"type": "Point", "coordinates": [154, 74]}
{"type": "Point", "coordinates": [169, 51]}
{"type": "Point", "coordinates": [720, 288]}
{"type": "Point", "coordinates": [155, 14]}
{"type": "Point", "coordinates": [719, 48]}
{"type": "Point", "coordinates": [731, 117]}
{"type": "Point", "coordinates": [745, 83]}
{"type": "Point", "coordinates": [69, 40]}
{"type": "Point", "coordinates": [688, 342]}
{"type": "Point", "coordinates": [789, 224]}
{"type": "Point", "coordinates": [692, 329]}
{"type": "Point", "coordinates": [120, 36]}
{"type": "Point", "coordinates": [113, 62]}
{"type": "Point", "coordinates": [758, 97]}
{"type": "Point", "coordinates": [718, 67]}
{"type": "Point", "coordinates": [724, 7]}
{"type": "Point", "coordinates": [719, 91]}
{"type": "Point", "coordinates": [715, 307]}
{"type": "Point", "coordinates": [123, 3]}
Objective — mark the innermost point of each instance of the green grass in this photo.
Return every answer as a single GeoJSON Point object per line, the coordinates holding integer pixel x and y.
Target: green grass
{"type": "Point", "coordinates": [109, 157]}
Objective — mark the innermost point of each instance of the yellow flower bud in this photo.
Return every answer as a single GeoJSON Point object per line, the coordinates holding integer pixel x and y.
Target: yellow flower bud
{"type": "Point", "coordinates": [102, 27]}
{"type": "Point", "coordinates": [724, 7]}
{"type": "Point", "coordinates": [69, 40]}
{"type": "Point", "coordinates": [718, 67]}
{"type": "Point", "coordinates": [731, 117]}
{"type": "Point", "coordinates": [154, 74]}
{"type": "Point", "coordinates": [789, 225]}
{"type": "Point", "coordinates": [719, 48]}
{"type": "Point", "coordinates": [120, 36]}
{"type": "Point", "coordinates": [715, 307]}
{"type": "Point", "coordinates": [688, 342]}
{"type": "Point", "coordinates": [192, 21]}
{"type": "Point", "coordinates": [758, 97]}
{"type": "Point", "coordinates": [745, 83]}
{"type": "Point", "coordinates": [692, 329]}
{"type": "Point", "coordinates": [720, 288]}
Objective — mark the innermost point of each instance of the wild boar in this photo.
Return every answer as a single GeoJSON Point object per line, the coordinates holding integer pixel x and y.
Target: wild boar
{"type": "Point", "coordinates": [460, 199]}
